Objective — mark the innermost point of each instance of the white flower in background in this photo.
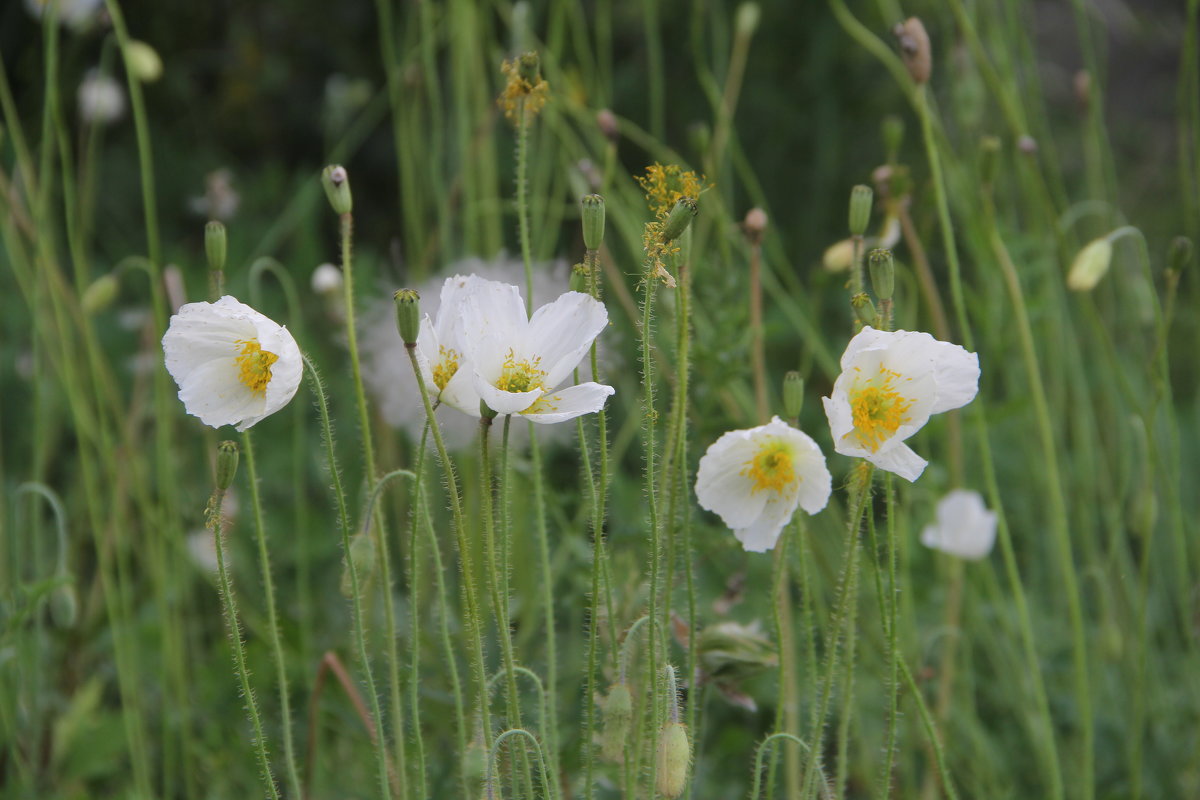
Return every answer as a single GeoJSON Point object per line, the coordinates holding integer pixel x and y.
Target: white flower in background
{"type": "Point", "coordinates": [75, 14]}
{"type": "Point", "coordinates": [755, 478]}
{"type": "Point", "coordinates": [101, 99]}
{"type": "Point", "coordinates": [964, 527]}
{"type": "Point", "coordinates": [891, 383]}
{"type": "Point", "coordinates": [233, 365]}
{"type": "Point", "coordinates": [517, 363]}
{"type": "Point", "coordinates": [220, 200]}
{"type": "Point", "coordinates": [327, 279]}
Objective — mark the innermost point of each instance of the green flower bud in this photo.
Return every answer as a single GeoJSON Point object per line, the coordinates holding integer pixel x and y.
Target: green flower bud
{"type": "Point", "coordinates": [1180, 253]}
{"type": "Point", "coordinates": [674, 758]}
{"type": "Point", "coordinates": [883, 273]}
{"type": "Point", "coordinates": [864, 309]}
{"type": "Point", "coordinates": [64, 606]}
{"type": "Point", "coordinates": [748, 15]}
{"type": "Point", "coordinates": [1090, 265]}
{"type": "Point", "coordinates": [100, 295]}
{"type": "Point", "coordinates": [529, 67]}
{"type": "Point", "coordinates": [681, 216]}
{"type": "Point", "coordinates": [793, 394]}
{"type": "Point", "coordinates": [616, 715]}
{"type": "Point", "coordinates": [860, 209]}
{"type": "Point", "coordinates": [408, 314]}
{"type": "Point", "coordinates": [216, 245]}
{"type": "Point", "coordinates": [227, 464]}
{"type": "Point", "coordinates": [893, 136]}
{"type": "Point", "coordinates": [579, 279]}
{"type": "Point", "coordinates": [143, 62]}
{"type": "Point", "coordinates": [364, 557]}
{"type": "Point", "coordinates": [593, 221]}
{"type": "Point", "coordinates": [337, 188]}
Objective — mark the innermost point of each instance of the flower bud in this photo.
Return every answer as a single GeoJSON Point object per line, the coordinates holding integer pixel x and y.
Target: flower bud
{"type": "Point", "coordinates": [674, 758]}
{"type": "Point", "coordinates": [864, 309]}
{"type": "Point", "coordinates": [755, 224]}
{"type": "Point", "coordinates": [860, 209]}
{"type": "Point", "coordinates": [100, 294]}
{"type": "Point", "coordinates": [579, 279]}
{"type": "Point", "coordinates": [337, 188]}
{"type": "Point", "coordinates": [408, 314]}
{"type": "Point", "coordinates": [143, 62]}
{"type": "Point", "coordinates": [1027, 145]}
{"type": "Point", "coordinates": [64, 606]}
{"type": "Point", "coordinates": [1090, 265]}
{"type": "Point", "coordinates": [327, 279]}
{"type": "Point", "coordinates": [681, 216]}
{"type": "Point", "coordinates": [606, 121]}
{"type": "Point", "coordinates": [616, 715]}
{"type": "Point", "coordinates": [839, 256]}
{"type": "Point", "coordinates": [914, 49]}
{"type": "Point", "coordinates": [363, 557]}
{"type": "Point", "coordinates": [593, 221]}
{"type": "Point", "coordinates": [748, 15]}
{"type": "Point", "coordinates": [216, 245]}
{"type": "Point", "coordinates": [883, 273]}
{"type": "Point", "coordinates": [893, 136]}
{"type": "Point", "coordinates": [1180, 253]}
{"type": "Point", "coordinates": [793, 394]}
{"type": "Point", "coordinates": [227, 464]}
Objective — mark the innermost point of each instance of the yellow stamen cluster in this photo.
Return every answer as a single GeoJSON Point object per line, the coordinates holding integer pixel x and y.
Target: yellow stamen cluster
{"type": "Point", "coordinates": [878, 408]}
{"type": "Point", "coordinates": [519, 90]}
{"type": "Point", "coordinates": [446, 366]}
{"type": "Point", "coordinates": [664, 185]}
{"type": "Point", "coordinates": [254, 366]}
{"type": "Point", "coordinates": [520, 375]}
{"type": "Point", "coordinates": [771, 468]}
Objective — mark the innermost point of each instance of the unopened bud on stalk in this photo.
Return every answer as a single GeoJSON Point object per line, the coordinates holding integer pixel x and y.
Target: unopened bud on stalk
{"type": "Point", "coordinates": [593, 221]}
{"type": "Point", "coordinates": [143, 62]}
{"type": "Point", "coordinates": [915, 49]}
{"type": "Point", "coordinates": [883, 273]}
{"type": "Point", "coordinates": [989, 159]}
{"type": "Point", "coordinates": [579, 279]}
{"type": "Point", "coordinates": [860, 209]}
{"type": "Point", "coordinates": [100, 294]}
{"type": "Point", "coordinates": [1090, 265]}
{"type": "Point", "coordinates": [616, 714]}
{"type": "Point", "coordinates": [839, 256]}
{"type": "Point", "coordinates": [363, 557]}
{"type": "Point", "coordinates": [606, 121]}
{"type": "Point", "coordinates": [674, 758]}
{"type": "Point", "coordinates": [1180, 253]}
{"type": "Point", "coordinates": [216, 245]}
{"type": "Point", "coordinates": [1027, 145]}
{"type": "Point", "coordinates": [327, 279]}
{"type": "Point", "coordinates": [755, 225]}
{"type": "Point", "coordinates": [681, 216]}
{"type": "Point", "coordinates": [893, 136]}
{"type": "Point", "coordinates": [408, 315]}
{"type": "Point", "coordinates": [64, 606]}
{"type": "Point", "coordinates": [863, 308]}
{"type": "Point", "coordinates": [793, 394]}
{"type": "Point", "coordinates": [748, 15]}
{"type": "Point", "coordinates": [336, 181]}
{"type": "Point", "coordinates": [227, 464]}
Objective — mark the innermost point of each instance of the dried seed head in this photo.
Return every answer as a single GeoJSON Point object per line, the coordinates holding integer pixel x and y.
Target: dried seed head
{"type": "Point", "coordinates": [914, 49]}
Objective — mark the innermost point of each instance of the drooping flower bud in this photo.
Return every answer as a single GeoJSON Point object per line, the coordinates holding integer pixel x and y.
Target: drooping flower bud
{"type": "Point", "coordinates": [680, 217]}
{"type": "Point", "coordinates": [336, 181]}
{"type": "Point", "coordinates": [793, 394]}
{"type": "Point", "coordinates": [227, 464]}
{"type": "Point", "coordinates": [860, 209]}
{"type": "Point", "coordinates": [1090, 265]}
{"type": "Point", "coordinates": [593, 221]}
{"type": "Point", "coordinates": [755, 225]}
{"type": "Point", "coordinates": [616, 715]}
{"type": "Point", "coordinates": [915, 49]}
{"type": "Point", "coordinates": [64, 606]}
{"type": "Point", "coordinates": [100, 294]}
{"type": "Point", "coordinates": [748, 15]}
{"type": "Point", "coordinates": [839, 256]}
{"type": "Point", "coordinates": [674, 759]}
{"type": "Point", "coordinates": [883, 273]}
{"type": "Point", "coordinates": [408, 314]}
{"type": "Point", "coordinates": [143, 62]}
{"type": "Point", "coordinates": [216, 245]}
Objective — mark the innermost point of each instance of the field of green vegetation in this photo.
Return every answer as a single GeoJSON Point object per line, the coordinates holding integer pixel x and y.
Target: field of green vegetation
{"type": "Point", "coordinates": [588, 400]}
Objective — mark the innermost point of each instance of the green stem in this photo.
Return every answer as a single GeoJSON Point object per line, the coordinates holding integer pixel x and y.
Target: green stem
{"type": "Point", "coordinates": [523, 201]}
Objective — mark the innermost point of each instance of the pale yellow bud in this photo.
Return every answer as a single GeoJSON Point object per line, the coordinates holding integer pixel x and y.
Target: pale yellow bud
{"type": "Point", "coordinates": [839, 257]}
{"type": "Point", "coordinates": [674, 759]}
{"type": "Point", "coordinates": [1090, 265]}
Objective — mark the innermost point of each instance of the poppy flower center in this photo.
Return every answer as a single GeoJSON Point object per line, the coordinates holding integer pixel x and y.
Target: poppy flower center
{"type": "Point", "coordinates": [878, 408]}
{"type": "Point", "coordinates": [771, 468]}
{"type": "Point", "coordinates": [520, 375]}
{"type": "Point", "coordinates": [254, 366]}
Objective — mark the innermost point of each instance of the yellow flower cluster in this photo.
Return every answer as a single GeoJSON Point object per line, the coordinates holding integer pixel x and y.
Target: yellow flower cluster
{"type": "Point", "coordinates": [524, 83]}
{"type": "Point", "coordinates": [664, 185]}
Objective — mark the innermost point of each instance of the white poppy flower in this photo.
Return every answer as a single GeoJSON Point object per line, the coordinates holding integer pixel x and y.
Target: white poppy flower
{"type": "Point", "coordinates": [441, 353]}
{"type": "Point", "coordinates": [891, 383]}
{"type": "Point", "coordinates": [755, 478]}
{"type": "Point", "coordinates": [101, 98]}
{"type": "Point", "coordinates": [964, 528]}
{"type": "Point", "coordinates": [233, 365]}
{"type": "Point", "coordinates": [516, 364]}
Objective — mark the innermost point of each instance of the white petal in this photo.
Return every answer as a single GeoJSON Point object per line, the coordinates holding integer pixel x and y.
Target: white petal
{"type": "Point", "coordinates": [459, 391]}
{"type": "Point", "coordinates": [762, 534]}
{"type": "Point", "coordinates": [721, 486]}
{"type": "Point", "coordinates": [213, 392]}
{"type": "Point", "coordinates": [491, 310]}
{"type": "Point", "coordinates": [957, 375]}
{"type": "Point", "coordinates": [503, 402]}
{"type": "Point", "coordinates": [286, 372]}
{"type": "Point", "coordinates": [561, 333]}
{"type": "Point", "coordinates": [568, 403]}
{"type": "Point", "coordinates": [900, 460]}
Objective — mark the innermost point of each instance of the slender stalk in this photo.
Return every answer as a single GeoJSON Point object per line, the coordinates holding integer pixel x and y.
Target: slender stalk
{"type": "Point", "coordinates": [758, 348]}
{"type": "Point", "coordinates": [523, 200]}
{"type": "Point", "coordinates": [543, 539]}
{"type": "Point", "coordinates": [233, 628]}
